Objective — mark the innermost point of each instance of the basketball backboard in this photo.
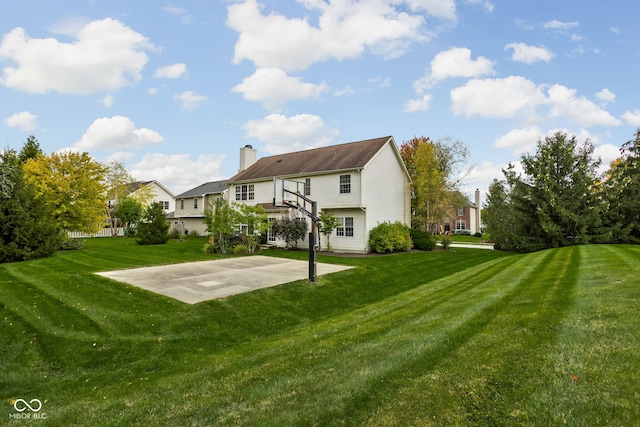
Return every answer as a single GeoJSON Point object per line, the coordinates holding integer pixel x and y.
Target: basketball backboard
{"type": "Point", "coordinates": [287, 193]}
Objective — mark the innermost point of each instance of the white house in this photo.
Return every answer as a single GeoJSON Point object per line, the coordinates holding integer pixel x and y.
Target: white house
{"type": "Point", "coordinates": [363, 183]}
{"type": "Point", "coordinates": [188, 216]}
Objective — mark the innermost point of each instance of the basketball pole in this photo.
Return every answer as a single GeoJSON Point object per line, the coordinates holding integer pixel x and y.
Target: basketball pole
{"type": "Point", "coordinates": [313, 265]}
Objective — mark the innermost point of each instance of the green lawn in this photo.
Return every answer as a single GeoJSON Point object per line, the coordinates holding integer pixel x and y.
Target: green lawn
{"type": "Point", "coordinates": [460, 337]}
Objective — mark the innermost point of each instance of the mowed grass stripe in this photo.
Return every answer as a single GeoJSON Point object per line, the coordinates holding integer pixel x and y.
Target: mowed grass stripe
{"type": "Point", "coordinates": [337, 361]}
{"type": "Point", "coordinates": [594, 371]}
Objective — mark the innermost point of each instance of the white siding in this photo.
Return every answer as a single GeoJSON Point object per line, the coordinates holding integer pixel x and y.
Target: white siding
{"type": "Point", "coordinates": [385, 194]}
{"type": "Point", "coordinates": [379, 193]}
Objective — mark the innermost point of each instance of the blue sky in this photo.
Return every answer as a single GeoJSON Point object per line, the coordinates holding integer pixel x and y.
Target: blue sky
{"type": "Point", "coordinates": [174, 89]}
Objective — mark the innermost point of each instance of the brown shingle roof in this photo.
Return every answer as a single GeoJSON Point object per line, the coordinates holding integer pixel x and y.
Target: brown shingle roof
{"type": "Point", "coordinates": [352, 155]}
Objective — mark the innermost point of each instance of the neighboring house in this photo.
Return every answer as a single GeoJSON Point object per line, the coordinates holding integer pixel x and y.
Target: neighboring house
{"type": "Point", "coordinates": [362, 183]}
{"type": "Point", "coordinates": [158, 191]}
{"type": "Point", "coordinates": [188, 216]}
{"type": "Point", "coordinates": [466, 219]}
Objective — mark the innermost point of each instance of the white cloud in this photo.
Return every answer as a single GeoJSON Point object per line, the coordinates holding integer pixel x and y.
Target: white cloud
{"type": "Point", "coordinates": [632, 118]}
{"type": "Point", "coordinates": [179, 172]}
{"type": "Point", "coordinates": [107, 101]}
{"type": "Point", "coordinates": [420, 104]}
{"type": "Point", "coordinates": [440, 8]}
{"type": "Point", "coordinates": [519, 140]}
{"type": "Point", "coordinates": [189, 100]}
{"type": "Point", "coordinates": [607, 153]}
{"type": "Point", "coordinates": [496, 98]}
{"type": "Point", "coordinates": [486, 4]}
{"type": "Point", "coordinates": [116, 133]}
{"type": "Point", "coordinates": [480, 177]}
{"type": "Point", "coordinates": [345, 30]}
{"type": "Point", "coordinates": [185, 17]}
{"type": "Point", "coordinates": [171, 71]}
{"type": "Point", "coordinates": [559, 25]}
{"type": "Point", "coordinates": [580, 110]}
{"type": "Point", "coordinates": [274, 88]}
{"type": "Point", "coordinates": [529, 54]}
{"type": "Point", "coordinates": [606, 96]}
{"type": "Point", "coordinates": [283, 134]}
{"type": "Point", "coordinates": [106, 56]}
{"type": "Point", "coordinates": [23, 121]}
{"type": "Point", "coordinates": [455, 62]}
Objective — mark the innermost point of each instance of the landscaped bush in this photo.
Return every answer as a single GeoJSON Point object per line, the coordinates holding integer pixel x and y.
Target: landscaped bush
{"type": "Point", "coordinates": [422, 240]}
{"type": "Point", "coordinates": [240, 249]}
{"type": "Point", "coordinates": [389, 237]}
{"type": "Point", "coordinates": [446, 242]}
{"type": "Point", "coordinates": [477, 234]}
{"type": "Point", "coordinates": [72, 244]}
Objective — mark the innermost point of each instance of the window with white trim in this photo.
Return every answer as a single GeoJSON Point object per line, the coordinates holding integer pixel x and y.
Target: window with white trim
{"type": "Point", "coordinates": [461, 224]}
{"type": "Point", "coordinates": [307, 186]}
{"type": "Point", "coordinates": [460, 211]}
{"type": "Point", "coordinates": [345, 226]}
{"type": "Point", "coordinates": [245, 192]}
{"type": "Point", "coordinates": [345, 184]}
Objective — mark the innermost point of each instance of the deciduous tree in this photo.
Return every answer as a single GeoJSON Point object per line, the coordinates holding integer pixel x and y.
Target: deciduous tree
{"type": "Point", "coordinates": [436, 169]}
{"type": "Point", "coordinates": [73, 186]}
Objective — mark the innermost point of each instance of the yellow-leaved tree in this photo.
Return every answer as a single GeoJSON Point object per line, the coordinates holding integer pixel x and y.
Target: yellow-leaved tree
{"type": "Point", "coordinates": [72, 183]}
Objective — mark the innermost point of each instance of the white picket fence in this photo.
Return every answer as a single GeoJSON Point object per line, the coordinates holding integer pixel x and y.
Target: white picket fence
{"type": "Point", "coordinates": [105, 232]}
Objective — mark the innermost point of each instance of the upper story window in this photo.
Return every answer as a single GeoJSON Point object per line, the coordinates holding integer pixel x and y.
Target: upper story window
{"type": "Point", "coordinates": [345, 184]}
{"type": "Point", "coordinates": [307, 186]}
{"type": "Point", "coordinates": [165, 205]}
{"type": "Point", "coordinates": [195, 203]}
{"type": "Point", "coordinates": [460, 211]}
{"type": "Point", "coordinates": [245, 192]}
{"type": "Point", "coordinates": [181, 203]}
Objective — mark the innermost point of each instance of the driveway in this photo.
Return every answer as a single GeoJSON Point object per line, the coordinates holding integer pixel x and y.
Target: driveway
{"type": "Point", "coordinates": [194, 282]}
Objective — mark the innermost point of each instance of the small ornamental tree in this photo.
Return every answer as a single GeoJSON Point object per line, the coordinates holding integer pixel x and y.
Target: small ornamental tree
{"type": "Point", "coordinates": [328, 223]}
{"type": "Point", "coordinates": [154, 228]}
{"type": "Point", "coordinates": [221, 221]}
{"type": "Point", "coordinates": [290, 230]}
{"type": "Point", "coordinates": [129, 211]}
{"type": "Point", "coordinates": [256, 220]}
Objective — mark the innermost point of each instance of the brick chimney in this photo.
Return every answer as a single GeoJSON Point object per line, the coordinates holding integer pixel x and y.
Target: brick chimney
{"type": "Point", "coordinates": [248, 156]}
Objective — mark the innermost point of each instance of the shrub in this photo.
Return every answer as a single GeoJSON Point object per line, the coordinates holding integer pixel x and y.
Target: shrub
{"type": "Point", "coordinates": [422, 240]}
{"type": "Point", "coordinates": [389, 237]}
{"type": "Point", "coordinates": [194, 233]}
{"type": "Point", "coordinates": [175, 233]}
{"type": "Point", "coordinates": [446, 242]}
{"type": "Point", "coordinates": [240, 249]}
{"type": "Point", "coordinates": [477, 234]}
{"type": "Point", "coordinates": [72, 244]}
{"type": "Point", "coordinates": [154, 228]}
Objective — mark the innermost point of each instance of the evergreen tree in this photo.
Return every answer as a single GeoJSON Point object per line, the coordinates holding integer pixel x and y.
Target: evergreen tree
{"type": "Point", "coordinates": [154, 228]}
{"type": "Point", "coordinates": [28, 229]}
{"type": "Point", "coordinates": [554, 202]}
{"type": "Point", "coordinates": [497, 215]}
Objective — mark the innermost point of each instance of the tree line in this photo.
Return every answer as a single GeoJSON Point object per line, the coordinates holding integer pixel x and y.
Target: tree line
{"type": "Point", "coordinates": [42, 197]}
{"type": "Point", "coordinates": [559, 199]}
